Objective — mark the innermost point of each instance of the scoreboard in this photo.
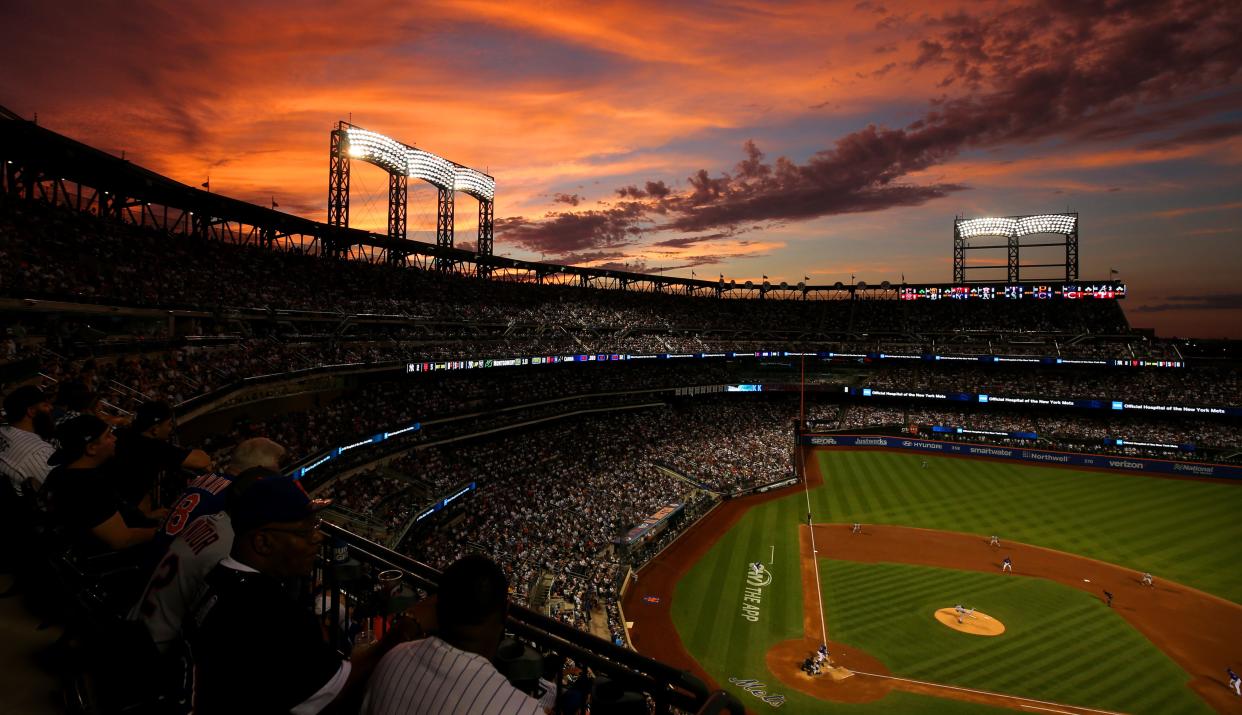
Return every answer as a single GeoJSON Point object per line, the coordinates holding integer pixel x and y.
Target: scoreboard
{"type": "Point", "coordinates": [1105, 290]}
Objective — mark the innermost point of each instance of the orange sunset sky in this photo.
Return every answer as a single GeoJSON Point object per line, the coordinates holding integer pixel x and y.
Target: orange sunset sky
{"type": "Point", "coordinates": [819, 139]}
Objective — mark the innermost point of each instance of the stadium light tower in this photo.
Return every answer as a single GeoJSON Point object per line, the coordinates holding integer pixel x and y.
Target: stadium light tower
{"type": "Point", "coordinates": [403, 162]}
{"type": "Point", "coordinates": [1012, 229]}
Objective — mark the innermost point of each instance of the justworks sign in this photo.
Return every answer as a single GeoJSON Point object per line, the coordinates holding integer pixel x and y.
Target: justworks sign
{"type": "Point", "coordinates": [752, 593]}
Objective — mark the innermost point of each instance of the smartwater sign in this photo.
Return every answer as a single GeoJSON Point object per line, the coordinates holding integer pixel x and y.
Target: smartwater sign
{"type": "Point", "coordinates": [1069, 459]}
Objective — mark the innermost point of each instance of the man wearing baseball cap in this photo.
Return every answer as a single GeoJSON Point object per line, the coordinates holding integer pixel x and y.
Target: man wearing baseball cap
{"type": "Point", "coordinates": [80, 494]}
{"type": "Point", "coordinates": [256, 649]}
{"type": "Point", "coordinates": [144, 454]}
{"type": "Point", "coordinates": [24, 449]}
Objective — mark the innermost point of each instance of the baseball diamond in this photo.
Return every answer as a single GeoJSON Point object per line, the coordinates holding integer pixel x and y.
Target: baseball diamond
{"type": "Point", "coordinates": [1070, 535]}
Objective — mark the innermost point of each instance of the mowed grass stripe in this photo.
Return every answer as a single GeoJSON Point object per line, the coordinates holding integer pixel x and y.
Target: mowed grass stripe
{"type": "Point", "coordinates": [1180, 530]}
{"type": "Point", "coordinates": [1060, 644]}
{"type": "Point", "coordinates": [712, 580]}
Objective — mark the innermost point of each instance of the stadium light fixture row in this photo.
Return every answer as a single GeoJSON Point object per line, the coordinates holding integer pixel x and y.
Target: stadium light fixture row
{"type": "Point", "coordinates": [397, 158]}
{"type": "Point", "coordinates": [1021, 226]}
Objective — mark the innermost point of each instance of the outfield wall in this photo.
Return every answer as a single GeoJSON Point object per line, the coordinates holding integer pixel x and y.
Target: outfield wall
{"type": "Point", "coordinates": [1032, 456]}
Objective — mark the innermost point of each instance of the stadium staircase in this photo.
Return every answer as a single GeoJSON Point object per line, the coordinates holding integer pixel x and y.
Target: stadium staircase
{"type": "Point", "coordinates": [541, 594]}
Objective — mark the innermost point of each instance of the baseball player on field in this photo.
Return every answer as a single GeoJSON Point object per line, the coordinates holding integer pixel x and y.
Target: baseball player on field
{"type": "Point", "coordinates": [1007, 565]}
{"type": "Point", "coordinates": [1234, 681]}
{"type": "Point", "coordinates": [856, 528]}
{"type": "Point", "coordinates": [1147, 580]}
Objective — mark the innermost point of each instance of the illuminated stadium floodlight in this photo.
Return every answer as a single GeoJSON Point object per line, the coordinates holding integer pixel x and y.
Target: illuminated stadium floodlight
{"type": "Point", "coordinates": [1012, 229]}
{"type": "Point", "coordinates": [430, 168]}
{"type": "Point", "coordinates": [476, 183]}
{"type": "Point", "coordinates": [403, 162]}
{"type": "Point", "coordinates": [970, 228]}
{"type": "Point", "coordinates": [1063, 224]}
{"type": "Point", "coordinates": [388, 154]}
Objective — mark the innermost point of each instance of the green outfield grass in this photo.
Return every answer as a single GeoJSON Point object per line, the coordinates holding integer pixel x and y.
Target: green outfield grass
{"type": "Point", "coordinates": [1184, 531]}
{"type": "Point", "coordinates": [707, 609]}
{"type": "Point", "coordinates": [1060, 644]}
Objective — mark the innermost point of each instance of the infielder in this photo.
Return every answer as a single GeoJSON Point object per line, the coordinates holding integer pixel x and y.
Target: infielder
{"type": "Point", "coordinates": [856, 528]}
{"type": "Point", "coordinates": [994, 541]}
{"type": "Point", "coordinates": [1147, 580]}
{"type": "Point", "coordinates": [1234, 681]}
{"type": "Point", "coordinates": [924, 464]}
{"type": "Point", "coordinates": [1006, 565]}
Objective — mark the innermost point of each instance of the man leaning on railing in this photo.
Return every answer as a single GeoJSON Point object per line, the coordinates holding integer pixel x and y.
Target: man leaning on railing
{"type": "Point", "coordinates": [451, 671]}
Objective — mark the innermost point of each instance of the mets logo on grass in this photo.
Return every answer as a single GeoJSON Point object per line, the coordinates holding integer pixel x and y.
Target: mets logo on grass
{"type": "Point", "coordinates": [756, 688]}
{"type": "Point", "coordinates": [758, 577]}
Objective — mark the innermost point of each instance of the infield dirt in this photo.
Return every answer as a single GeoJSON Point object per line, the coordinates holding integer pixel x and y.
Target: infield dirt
{"type": "Point", "coordinates": [1199, 631]}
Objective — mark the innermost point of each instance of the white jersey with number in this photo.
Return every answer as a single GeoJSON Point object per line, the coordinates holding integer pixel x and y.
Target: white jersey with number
{"type": "Point", "coordinates": [430, 677]}
{"type": "Point", "coordinates": [180, 577]}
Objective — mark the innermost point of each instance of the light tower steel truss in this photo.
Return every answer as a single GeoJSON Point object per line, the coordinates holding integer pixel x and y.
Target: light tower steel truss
{"type": "Point", "coordinates": [338, 179]}
{"type": "Point", "coordinates": [403, 162]}
{"type": "Point", "coordinates": [484, 247]}
{"type": "Point", "coordinates": [444, 226]}
{"type": "Point", "coordinates": [1013, 229]}
{"type": "Point", "coordinates": [398, 200]}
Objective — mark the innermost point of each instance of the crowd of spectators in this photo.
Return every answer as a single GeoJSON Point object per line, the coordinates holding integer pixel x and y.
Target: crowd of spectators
{"type": "Point", "coordinates": [545, 505]}
{"type": "Point", "coordinates": [394, 403]}
{"type": "Point", "coordinates": [731, 446]}
{"type": "Point", "coordinates": [1198, 386]}
{"type": "Point", "coordinates": [1085, 433]}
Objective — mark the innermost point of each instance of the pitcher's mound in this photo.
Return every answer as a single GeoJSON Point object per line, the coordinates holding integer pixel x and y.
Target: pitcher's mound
{"type": "Point", "coordinates": [981, 624]}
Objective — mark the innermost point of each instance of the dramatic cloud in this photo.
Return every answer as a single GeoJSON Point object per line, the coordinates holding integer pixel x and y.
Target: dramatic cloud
{"type": "Point", "coordinates": [1091, 66]}
{"type": "Point", "coordinates": [571, 199]}
{"type": "Point", "coordinates": [560, 234]}
{"type": "Point", "coordinates": [683, 241]}
{"type": "Point", "coordinates": [1222, 301]}
{"type": "Point", "coordinates": [654, 189]}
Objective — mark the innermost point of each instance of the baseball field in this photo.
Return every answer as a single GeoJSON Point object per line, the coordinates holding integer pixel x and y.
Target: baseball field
{"type": "Point", "coordinates": [923, 546]}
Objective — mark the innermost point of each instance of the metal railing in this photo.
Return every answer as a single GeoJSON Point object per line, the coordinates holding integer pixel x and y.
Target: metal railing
{"type": "Point", "coordinates": [365, 585]}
